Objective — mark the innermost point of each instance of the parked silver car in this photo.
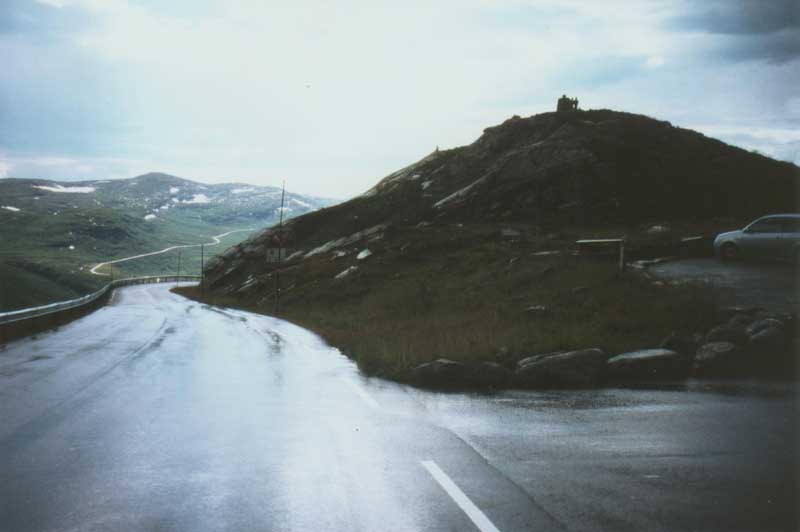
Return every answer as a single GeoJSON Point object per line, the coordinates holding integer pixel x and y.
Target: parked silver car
{"type": "Point", "coordinates": [776, 235]}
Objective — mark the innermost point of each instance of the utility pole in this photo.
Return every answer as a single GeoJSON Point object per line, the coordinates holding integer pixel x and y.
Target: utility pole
{"type": "Point", "coordinates": [280, 249]}
{"type": "Point", "coordinates": [179, 267]}
{"type": "Point", "coordinates": [202, 270]}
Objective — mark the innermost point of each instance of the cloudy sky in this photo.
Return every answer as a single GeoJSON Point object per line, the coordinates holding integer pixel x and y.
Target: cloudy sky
{"type": "Point", "coordinates": [332, 96]}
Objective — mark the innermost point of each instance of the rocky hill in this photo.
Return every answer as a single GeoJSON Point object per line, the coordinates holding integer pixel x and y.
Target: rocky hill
{"type": "Point", "coordinates": [569, 169]}
{"type": "Point", "coordinates": [53, 232]}
{"type": "Point", "coordinates": [456, 254]}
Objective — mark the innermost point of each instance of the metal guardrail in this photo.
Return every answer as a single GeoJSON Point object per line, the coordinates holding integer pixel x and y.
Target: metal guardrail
{"type": "Point", "coordinates": [27, 313]}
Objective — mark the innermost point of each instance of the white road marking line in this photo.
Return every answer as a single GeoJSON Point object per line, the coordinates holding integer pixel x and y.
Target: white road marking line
{"type": "Point", "coordinates": [363, 395]}
{"type": "Point", "coordinates": [469, 508]}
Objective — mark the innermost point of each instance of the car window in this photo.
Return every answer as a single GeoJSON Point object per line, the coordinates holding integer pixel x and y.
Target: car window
{"type": "Point", "coordinates": [771, 225]}
{"type": "Point", "coordinates": [790, 225]}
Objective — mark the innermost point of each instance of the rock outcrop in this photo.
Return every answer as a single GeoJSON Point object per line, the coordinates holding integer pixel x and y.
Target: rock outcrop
{"type": "Point", "coordinates": [648, 365]}
{"type": "Point", "coordinates": [717, 359]}
{"type": "Point", "coordinates": [573, 368]}
{"type": "Point", "coordinates": [553, 170]}
{"type": "Point", "coordinates": [441, 373]}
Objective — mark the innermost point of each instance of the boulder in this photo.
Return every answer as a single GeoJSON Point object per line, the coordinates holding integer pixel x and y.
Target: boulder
{"type": "Point", "coordinates": [573, 368]}
{"type": "Point", "coordinates": [659, 229]}
{"type": "Point", "coordinates": [253, 249]}
{"type": "Point", "coordinates": [648, 364]}
{"type": "Point", "coordinates": [491, 375]}
{"type": "Point", "coordinates": [546, 271]}
{"type": "Point", "coordinates": [741, 320]}
{"type": "Point", "coordinates": [729, 312]}
{"type": "Point", "coordinates": [768, 339]}
{"type": "Point", "coordinates": [503, 355]}
{"type": "Point", "coordinates": [535, 358]}
{"type": "Point", "coordinates": [729, 332]}
{"type": "Point", "coordinates": [715, 359]}
{"type": "Point", "coordinates": [231, 253]}
{"type": "Point", "coordinates": [537, 310]}
{"type": "Point", "coordinates": [685, 344]}
{"type": "Point", "coordinates": [766, 323]}
{"type": "Point", "coordinates": [441, 373]}
{"type": "Point", "coordinates": [346, 272]}
{"type": "Point", "coordinates": [212, 263]}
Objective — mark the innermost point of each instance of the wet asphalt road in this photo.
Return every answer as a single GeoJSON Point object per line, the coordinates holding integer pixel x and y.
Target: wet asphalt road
{"type": "Point", "coordinates": [159, 414]}
{"type": "Point", "coordinates": [772, 285]}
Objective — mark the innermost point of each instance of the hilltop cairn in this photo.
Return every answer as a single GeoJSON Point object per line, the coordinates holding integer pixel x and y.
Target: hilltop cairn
{"type": "Point", "coordinates": [567, 104]}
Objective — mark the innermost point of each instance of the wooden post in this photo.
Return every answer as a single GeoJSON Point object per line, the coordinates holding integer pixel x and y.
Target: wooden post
{"type": "Point", "coordinates": [622, 255]}
{"type": "Point", "coordinates": [177, 279]}
{"type": "Point", "coordinates": [202, 270]}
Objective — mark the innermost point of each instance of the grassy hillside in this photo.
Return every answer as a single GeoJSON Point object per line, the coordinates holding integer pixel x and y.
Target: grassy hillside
{"type": "Point", "coordinates": [470, 246]}
{"type": "Point", "coordinates": [54, 233]}
{"type": "Point", "coordinates": [469, 294]}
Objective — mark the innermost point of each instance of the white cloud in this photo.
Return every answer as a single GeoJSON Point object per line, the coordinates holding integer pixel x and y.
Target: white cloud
{"type": "Point", "coordinates": [793, 106]}
{"type": "Point", "coordinates": [5, 167]}
{"type": "Point", "coordinates": [782, 143]}
{"type": "Point", "coordinates": [769, 134]}
{"type": "Point", "coordinates": [334, 96]}
{"type": "Point", "coordinates": [53, 3]}
{"type": "Point", "coordinates": [70, 168]}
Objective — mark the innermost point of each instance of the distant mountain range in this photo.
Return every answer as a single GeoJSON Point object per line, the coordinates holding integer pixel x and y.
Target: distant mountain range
{"type": "Point", "coordinates": [53, 232]}
{"type": "Point", "coordinates": [156, 196]}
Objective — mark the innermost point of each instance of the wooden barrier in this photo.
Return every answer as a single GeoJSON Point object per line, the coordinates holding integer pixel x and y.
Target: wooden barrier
{"type": "Point", "coordinates": [603, 246]}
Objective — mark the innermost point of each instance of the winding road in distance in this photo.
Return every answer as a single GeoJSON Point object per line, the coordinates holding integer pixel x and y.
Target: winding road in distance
{"type": "Point", "coordinates": [159, 413]}
{"type": "Point", "coordinates": [214, 242]}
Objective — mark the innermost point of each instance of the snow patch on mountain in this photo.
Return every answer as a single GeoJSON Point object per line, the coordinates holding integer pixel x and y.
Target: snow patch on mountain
{"type": "Point", "coordinates": [59, 188]}
{"type": "Point", "coordinates": [301, 203]}
{"type": "Point", "coordinates": [198, 198]}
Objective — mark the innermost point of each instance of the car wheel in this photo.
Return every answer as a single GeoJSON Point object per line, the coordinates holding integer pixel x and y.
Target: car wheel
{"type": "Point", "coordinates": [729, 252]}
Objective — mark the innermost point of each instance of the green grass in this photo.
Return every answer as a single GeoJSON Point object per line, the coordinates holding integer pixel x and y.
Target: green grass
{"type": "Point", "coordinates": [37, 265]}
{"type": "Point", "coordinates": [22, 285]}
{"type": "Point", "coordinates": [61, 236]}
{"type": "Point", "coordinates": [463, 295]}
